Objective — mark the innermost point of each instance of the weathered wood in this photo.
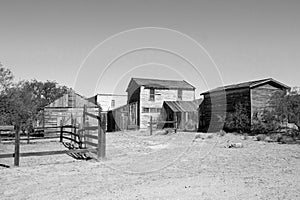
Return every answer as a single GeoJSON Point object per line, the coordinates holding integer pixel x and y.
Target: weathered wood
{"type": "Point", "coordinates": [71, 139]}
{"type": "Point", "coordinates": [47, 153]}
{"type": "Point", "coordinates": [91, 136]}
{"type": "Point", "coordinates": [17, 147]}
{"type": "Point", "coordinates": [92, 144]}
{"type": "Point", "coordinates": [91, 128]}
{"type": "Point", "coordinates": [92, 115]}
{"type": "Point", "coordinates": [151, 124]}
{"type": "Point", "coordinates": [61, 133]}
{"type": "Point", "coordinates": [261, 98]}
{"type": "Point", "coordinates": [31, 138]}
{"type": "Point", "coordinates": [101, 138]}
{"type": "Point", "coordinates": [84, 124]}
{"type": "Point", "coordinates": [215, 106]}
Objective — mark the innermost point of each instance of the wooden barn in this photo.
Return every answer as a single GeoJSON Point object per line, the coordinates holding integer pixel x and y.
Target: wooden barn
{"type": "Point", "coordinates": [67, 110]}
{"type": "Point", "coordinates": [117, 119]}
{"type": "Point", "coordinates": [255, 96]}
{"type": "Point", "coordinates": [146, 97]}
{"type": "Point", "coordinates": [185, 113]}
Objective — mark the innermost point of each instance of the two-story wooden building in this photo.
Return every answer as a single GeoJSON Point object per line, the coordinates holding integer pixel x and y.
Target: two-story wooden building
{"type": "Point", "coordinates": [146, 98]}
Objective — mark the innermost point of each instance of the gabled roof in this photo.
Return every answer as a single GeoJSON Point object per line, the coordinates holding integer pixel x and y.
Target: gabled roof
{"type": "Point", "coordinates": [160, 84]}
{"type": "Point", "coordinates": [184, 106]}
{"type": "Point", "coordinates": [249, 84]}
{"type": "Point", "coordinates": [71, 99]}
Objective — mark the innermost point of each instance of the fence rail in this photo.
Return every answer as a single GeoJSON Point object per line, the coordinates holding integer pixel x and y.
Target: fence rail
{"type": "Point", "coordinates": [39, 133]}
{"type": "Point", "coordinates": [75, 135]}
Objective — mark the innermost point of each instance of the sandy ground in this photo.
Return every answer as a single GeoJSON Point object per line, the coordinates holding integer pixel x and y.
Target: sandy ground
{"type": "Point", "coordinates": [158, 167]}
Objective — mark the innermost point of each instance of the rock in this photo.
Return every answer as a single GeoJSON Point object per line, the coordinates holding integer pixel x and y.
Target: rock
{"type": "Point", "coordinates": [221, 133]}
{"type": "Point", "coordinates": [210, 136]}
{"type": "Point", "coordinates": [235, 145]}
{"type": "Point", "coordinates": [161, 132]}
{"type": "Point", "coordinates": [203, 136]}
{"type": "Point", "coordinates": [268, 139]}
{"type": "Point", "coordinates": [276, 137]}
{"type": "Point", "coordinates": [245, 137]}
{"type": "Point", "coordinates": [261, 137]}
{"type": "Point", "coordinates": [287, 140]}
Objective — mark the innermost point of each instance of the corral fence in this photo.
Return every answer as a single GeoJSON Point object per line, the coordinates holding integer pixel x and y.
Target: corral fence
{"type": "Point", "coordinates": [38, 133]}
{"type": "Point", "coordinates": [87, 138]}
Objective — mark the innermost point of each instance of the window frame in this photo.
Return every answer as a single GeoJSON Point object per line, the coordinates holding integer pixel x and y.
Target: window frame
{"type": "Point", "coordinates": [152, 94]}
{"type": "Point", "coordinates": [179, 94]}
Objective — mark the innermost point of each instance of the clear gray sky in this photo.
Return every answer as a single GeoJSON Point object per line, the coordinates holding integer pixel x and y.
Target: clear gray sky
{"type": "Point", "coordinates": [49, 40]}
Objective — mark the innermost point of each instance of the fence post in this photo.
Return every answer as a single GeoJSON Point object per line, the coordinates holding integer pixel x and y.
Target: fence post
{"type": "Point", "coordinates": [83, 125]}
{"type": "Point", "coordinates": [61, 133]}
{"type": "Point", "coordinates": [101, 137]}
{"type": "Point", "coordinates": [17, 146]}
{"type": "Point", "coordinates": [72, 129]}
{"type": "Point", "coordinates": [150, 125]}
{"type": "Point", "coordinates": [28, 136]}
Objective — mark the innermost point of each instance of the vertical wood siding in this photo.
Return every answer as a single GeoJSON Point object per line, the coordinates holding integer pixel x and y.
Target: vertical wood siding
{"type": "Point", "coordinates": [261, 98]}
{"type": "Point", "coordinates": [215, 106]}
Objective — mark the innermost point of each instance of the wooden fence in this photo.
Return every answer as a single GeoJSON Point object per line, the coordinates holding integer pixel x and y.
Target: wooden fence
{"type": "Point", "coordinates": [38, 133]}
{"type": "Point", "coordinates": [94, 136]}
{"type": "Point", "coordinates": [77, 136]}
{"type": "Point", "coordinates": [157, 123]}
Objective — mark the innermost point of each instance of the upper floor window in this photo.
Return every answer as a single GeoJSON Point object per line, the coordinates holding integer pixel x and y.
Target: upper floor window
{"type": "Point", "coordinates": [179, 94]}
{"type": "Point", "coordinates": [113, 103]}
{"type": "Point", "coordinates": [152, 94]}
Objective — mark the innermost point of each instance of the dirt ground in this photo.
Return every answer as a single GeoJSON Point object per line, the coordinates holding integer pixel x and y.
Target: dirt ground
{"type": "Point", "coordinates": [158, 167]}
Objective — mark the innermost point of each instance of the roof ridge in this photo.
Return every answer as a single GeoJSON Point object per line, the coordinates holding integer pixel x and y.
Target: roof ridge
{"type": "Point", "coordinates": [155, 79]}
{"type": "Point", "coordinates": [244, 84]}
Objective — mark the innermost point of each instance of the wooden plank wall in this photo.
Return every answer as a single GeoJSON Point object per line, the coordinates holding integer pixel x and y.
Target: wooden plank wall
{"type": "Point", "coordinates": [161, 95]}
{"type": "Point", "coordinates": [54, 116]}
{"type": "Point", "coordinates": [213, 110]}
{"type": "Point", "coordinates": [117, 119]}
{"type": "Point", "coordinates": [261, 98]}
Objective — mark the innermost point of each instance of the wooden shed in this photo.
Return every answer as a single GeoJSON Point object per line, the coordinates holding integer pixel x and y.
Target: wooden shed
{"type": "Point", "coordinates": [117, 119]}
{"type": "Point", "coordinates": [255, 96]}
{"type": "Point", "coordinates": [185, 113]}
{"type": "Point", "coordinates": [68, 109]}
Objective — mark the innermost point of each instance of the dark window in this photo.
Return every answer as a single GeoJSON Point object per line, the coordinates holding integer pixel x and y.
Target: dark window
{"type": "Point", "coordinates": [179, 94]}
{"type": "Point", "coordinates": [152, 94]}
{"type": "Point", "coordinates": [145, 110]}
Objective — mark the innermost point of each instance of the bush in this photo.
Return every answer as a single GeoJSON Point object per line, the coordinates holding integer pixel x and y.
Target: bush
{"type": "Point", "coordinates": [264, 124]}
{"type": "Point", "coordinates": [237, 121]}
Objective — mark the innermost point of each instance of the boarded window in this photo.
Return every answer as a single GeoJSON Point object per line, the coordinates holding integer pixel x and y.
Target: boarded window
{"type": "Point", "coordinates": [179, 94]}
{"type": "Point", "coordinates": [152, 94]}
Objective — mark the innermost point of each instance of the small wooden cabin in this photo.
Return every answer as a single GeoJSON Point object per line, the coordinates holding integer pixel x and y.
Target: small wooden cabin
{"type": "Point", "coordinates": [255, 96]}
{"type": "Point", "coordinates": [67, 110]}
{"type": "Point", "coordinates": [185, 113]}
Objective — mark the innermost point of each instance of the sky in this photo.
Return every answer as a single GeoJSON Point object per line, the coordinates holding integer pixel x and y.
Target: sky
{"type": "Point", "coordinates": [97, 46]}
